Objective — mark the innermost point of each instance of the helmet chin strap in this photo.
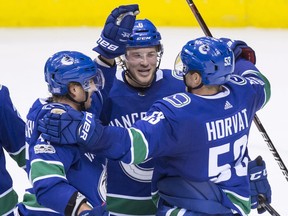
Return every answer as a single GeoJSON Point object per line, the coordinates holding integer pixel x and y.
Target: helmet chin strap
{"type": "Point", "coordinates": [82, 103]}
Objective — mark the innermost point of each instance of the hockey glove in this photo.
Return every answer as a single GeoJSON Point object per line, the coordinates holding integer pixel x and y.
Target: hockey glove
{"type": "Point", "coordinates": [116, 32]}
{"type": "Point", "coordinates": [259, 184]}
{"type": "Point", "coordinates": [241, 49]}
{"type": "Point", "coordinates": [97, 211]}
{"type": "Point", "coordinates": [71, 127]}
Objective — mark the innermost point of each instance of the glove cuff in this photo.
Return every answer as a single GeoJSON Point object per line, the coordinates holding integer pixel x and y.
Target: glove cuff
{"type": "Point", "coordinates": [89, 135]}
{"type": "Point", "coordinates": [108, 48]}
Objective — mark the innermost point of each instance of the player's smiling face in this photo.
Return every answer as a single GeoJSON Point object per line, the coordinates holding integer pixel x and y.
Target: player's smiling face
{"type": "Point", "coordinates": [142, 63]}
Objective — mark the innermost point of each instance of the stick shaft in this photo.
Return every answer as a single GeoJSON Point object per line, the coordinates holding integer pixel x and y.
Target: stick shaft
{"type": "Point", "coordinates": [199, 18]}
{"type": "Point", "coordinates": [271, 146]}
{"type": "Point", "coordinates": [267, 206]}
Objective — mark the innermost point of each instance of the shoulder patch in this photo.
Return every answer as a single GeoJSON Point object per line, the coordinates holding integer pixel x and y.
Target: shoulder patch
{"type": "Point", "coordinates": [236, 79]}
{"type": "Point", "coordinates": [177, 75]}
{"type": "Point", "coordinates": [178, 100]}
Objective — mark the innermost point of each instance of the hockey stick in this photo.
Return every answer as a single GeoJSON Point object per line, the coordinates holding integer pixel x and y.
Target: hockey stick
{"type": "Point", "coordinates": [256, 119]}
{"type": "Point", "coordinates": [267, 206]}
{"type": "Point", "coordinates": [271, 146]}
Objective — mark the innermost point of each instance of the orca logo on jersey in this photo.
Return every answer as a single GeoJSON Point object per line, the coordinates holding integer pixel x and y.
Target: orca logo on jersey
{"type": "Point", "coordinates": [84, 131]}
{"type": "Point", "coordinates": [139, 172]}
{"type": "Point", "coordinates": [107, 45]}
{"type": "Point", "coordinates": [178, 100]}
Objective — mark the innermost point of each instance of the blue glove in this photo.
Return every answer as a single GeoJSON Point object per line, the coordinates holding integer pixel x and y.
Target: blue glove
{"type": "Point", "coordinates": [116, 32]}
{"type": "Point", "coordinates": [70, 127]}
{"type": "Point", "coordinates": [258, 183]}
{"type": "Point", "coordinates": [241, 49]}
{"type": "Point", "coordinates": [97, 211]}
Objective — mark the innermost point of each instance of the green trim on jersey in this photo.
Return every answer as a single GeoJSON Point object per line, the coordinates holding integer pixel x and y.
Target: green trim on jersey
{"type": "Point", "coordinates": [19, 157]}
{"type": "Point", "coordinates": [8, 201]}
{"type": "Point", "coordinates": [139, 146]}
{"type": "Point", "coordinates": [245, 205]}
{"type": "Point", "coordinates": [267, 88]}
{"type": "Point", "coordinates": [120, 205]}
{"type": "Point", "coordinates": [30, 202]}
{"type": "Point", "coordinates": [174, 212]}
{"type": "Point", "coordinates": [155, 198]}
{"type": "Point", "coordinates": [43, 169]}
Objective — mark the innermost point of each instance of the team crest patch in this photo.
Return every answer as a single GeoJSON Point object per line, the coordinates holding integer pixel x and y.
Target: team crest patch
{"type": "Point", "coordinates": [178, 100]}
{"type": "Point", "coordinates": [44, 148]}
{"type": "Point", "coordinates": [176, 74]}
{"type": "Point", "coordinates": [237, 80]}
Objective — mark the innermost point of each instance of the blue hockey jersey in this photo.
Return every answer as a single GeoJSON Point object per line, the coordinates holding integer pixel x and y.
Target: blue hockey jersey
{"type": "Point", "coordinates": [198, 138]}
{"type": "Point", "coordinates": [129, 186]}
{"type": "Point", "coordinates": [58, 171]}
{"type": "Point", "coordinates": [12, 139]}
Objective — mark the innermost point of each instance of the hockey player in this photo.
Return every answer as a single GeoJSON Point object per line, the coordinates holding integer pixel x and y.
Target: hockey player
{"type": "Point", "coordinates": [134, 90]}
{"type": "Point", "coordinates": [12, 139]}
{"type": "Point", "coordinates": [199, 138]}
{"type": "Point", "coordinates": [57, 172]}
{"type": "Point", "coordinates": [125, 17]}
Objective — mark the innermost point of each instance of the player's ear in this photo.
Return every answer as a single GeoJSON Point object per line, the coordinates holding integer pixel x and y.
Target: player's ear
{"type": "Point", "coordinates": [196, 79]}
{"type": "Point", "coordinates": [73, 88]}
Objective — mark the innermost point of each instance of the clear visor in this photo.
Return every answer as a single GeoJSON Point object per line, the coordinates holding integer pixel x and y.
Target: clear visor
{"type": "Point", "coordinates": [95, 83]}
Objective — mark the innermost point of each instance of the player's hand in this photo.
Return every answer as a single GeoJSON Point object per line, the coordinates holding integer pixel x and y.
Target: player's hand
{"type": "Point", "coordinates": [241, 49]}
{"type": "Point", "coordinates": [97, 211]}
{"type": "Point", "coordinates": [60, 126]}
{"type": "Point", "coordinates": [70, 127]}
{"type": "Point", "coordinates": [116, 32]}
{"type": "Point", "coordinates": [259, 184]}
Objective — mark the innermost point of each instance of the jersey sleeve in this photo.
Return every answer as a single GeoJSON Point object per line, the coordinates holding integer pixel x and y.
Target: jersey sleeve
{"type": "Point", "coordinates": [258, 81]}
{"type": "Point", "coordinates": [12, 128]}
{"type": "Point", "coordinates": [141, 141]}
{"type": "Point", "coordinates": [48, 173]}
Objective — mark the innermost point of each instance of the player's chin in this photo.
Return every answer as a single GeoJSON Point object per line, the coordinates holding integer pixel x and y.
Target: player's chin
{"type": "Point", "coordinates": [144, 77]}
{"type": "Point", "coordinates": [144, 80]}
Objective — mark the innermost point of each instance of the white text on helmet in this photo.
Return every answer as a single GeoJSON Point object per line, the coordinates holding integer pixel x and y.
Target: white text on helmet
{"type": "Point", "coordinates": [227, 61]}
{"type": "Point", "coordinates": [143, 38]}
